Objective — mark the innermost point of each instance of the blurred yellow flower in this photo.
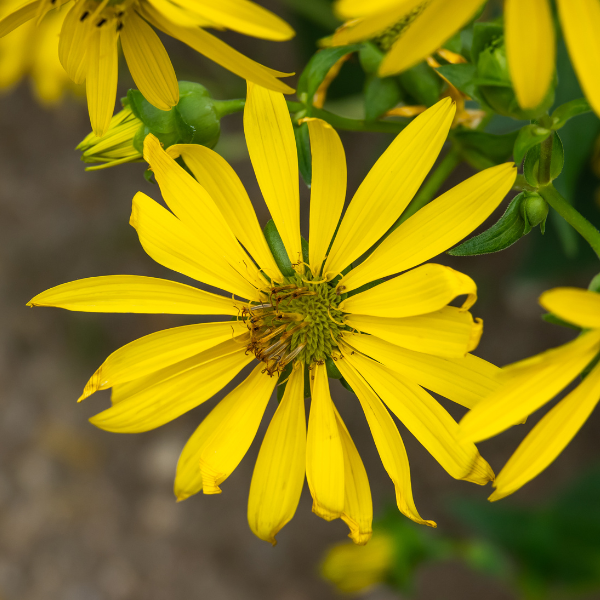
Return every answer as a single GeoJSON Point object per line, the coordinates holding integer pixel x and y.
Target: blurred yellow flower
{"type": "Point", "coordinates": [88, 47]}
{"type": "Point", "coordinates": [529, 31]}
{"type": "Point", "coordinates": [301, 314]}
{"type": "Point", "coordinates": [533, 382]}
{"type": "Point", "coordinates": [354, 568]}
{"type": "Point", "coordinates": [33, 51]}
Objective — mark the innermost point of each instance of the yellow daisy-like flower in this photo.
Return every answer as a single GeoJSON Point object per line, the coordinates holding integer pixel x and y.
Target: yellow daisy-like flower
{"type": "Point", "coordinates": [32, 51]}
{"type": "Point", "coordinates": [535, 381]}
{"type": "Point", "coordinates": [88, 46]}
{"type": "Point", "coordinates": [387, 341]}
{"type": "Point", "coordinates": [529, 31]}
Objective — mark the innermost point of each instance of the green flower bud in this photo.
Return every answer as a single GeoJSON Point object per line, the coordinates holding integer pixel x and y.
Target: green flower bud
{"type": "Point", "coordinates": [496, 88]}
{"type": "Point", "coordinates": [534, 211]}
{"type": "Point", "coordinates": [196, 119]}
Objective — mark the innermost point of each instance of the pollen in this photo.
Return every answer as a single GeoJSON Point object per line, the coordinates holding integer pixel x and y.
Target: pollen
{"type": "Point", "coordinates": [298, 320]}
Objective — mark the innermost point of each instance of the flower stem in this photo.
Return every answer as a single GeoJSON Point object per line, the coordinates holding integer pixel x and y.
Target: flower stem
{"type": "Point", "coordinates": [228, 107]}
{"type": "Point", "coordinates": [589, 233]}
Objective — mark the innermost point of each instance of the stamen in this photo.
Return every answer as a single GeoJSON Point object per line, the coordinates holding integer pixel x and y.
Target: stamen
{"type": "Point", "coordinates": [292, 355]}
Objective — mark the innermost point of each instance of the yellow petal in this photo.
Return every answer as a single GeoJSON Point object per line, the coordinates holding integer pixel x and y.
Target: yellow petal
{"type": "Point", "coordinates": [19, 17]}
{"type": "Point", "coordinates": [438, 22]}
{"type": "Point", "coordinates": [580, 20]}
{"type": "Point", "coordinates": [529, 386]}
{"type": "Point", "coordinates": [173, 13]}
{"type": "Point", "coordinates": [577, 306]}
{"type": "Point", "coordinates": [241, 16]}
{"type": "Point", "coordinates": [328, 189]}
{"type": "Point", "coordinates": [149, 63]}
{"type": "Point", "coordinates": [466, 380]}
{"type": "Point", "coordinates": [135, 294]}
{"type": "Point", "coordinates": [218, 51]}
{"type": "Point", "coordinates": [426, 419]}
{"type": "Point", "coordinates": [193, 205]}
{"type": "Point", "coordinates": [549, 437]}
{"type": "Point", "coordinates": [167, 394]}
{"type": "Point", "coordinates": [530, 48]}
{"type": "Point", "coordinates": [358, 506]}
{"type": "Point", "coordinates": [72, 43]}
{"type": "Point", "coordinates": [324, 451]}
{"type": "Point", "coordinates": [425, 289]}
{"type": "Point", "coordinates": [279, 471]}
{"type": "Point", "coordinates": [374, 23]}
{"type": "Point", "coordinates": [272, 147]}
{"type": "Point", "coordinates": [171, 243]}
{"type": "Point", "coordinates": [348, 9]}
{"type": "Point", "coordinates": [101, 76]}
{"type": "Point", "coordinates": [437, 226]}
{"type": "Point", "coordinates": [449, 332]}
{"type": "Point", "coordinates": [387, 439]}
{"type": "Point", "coordinates": [223, 185]}
{"type": "Point", "coordinates": [390, 185]}
{"type": "Point", "coordinates": [217, 447]}
{"type": "Point", "coordinates": [159, 350]}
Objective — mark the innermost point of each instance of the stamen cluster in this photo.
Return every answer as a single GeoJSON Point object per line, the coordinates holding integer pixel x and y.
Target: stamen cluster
{"type": "Point", "coordinates": [297, 320]}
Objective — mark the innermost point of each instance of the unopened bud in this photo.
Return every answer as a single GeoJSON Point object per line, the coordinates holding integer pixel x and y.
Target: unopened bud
{"type": "Point", "coordinates": [534, 210]}
{"type": "Point", "coordinates": [196, 119]}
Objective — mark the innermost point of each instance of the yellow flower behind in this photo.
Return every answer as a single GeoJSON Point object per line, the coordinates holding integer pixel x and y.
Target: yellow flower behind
{"type": "Point", "coordinates": [33, 52]}
{"type": "Point", "coordinates": [353, 569]}
{"type": "Point", "coordinates": [389, 342]}
{"type": "Point", "coordinates": [529, 32]}
{"type": "Point", "coordinates": [88, 46]}
{"type": "Point", "coordinates": [535, 381]}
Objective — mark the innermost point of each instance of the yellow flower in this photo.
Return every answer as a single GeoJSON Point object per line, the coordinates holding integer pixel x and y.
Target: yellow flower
{"type": "Point", "coordinates": [356, 568]}
{"type": "Point", "coordinates": [115, 147]}
{"type": "Point", "coordinates": [32, 51]}
{"type": "Point", "coordinates": [303, 317]}
{"type": "Point", "coordinates": [536, 380]}
{"type": "Point", "coordinates": [92, 28]}
{"type": "Point", "coordinates": [529, 31]}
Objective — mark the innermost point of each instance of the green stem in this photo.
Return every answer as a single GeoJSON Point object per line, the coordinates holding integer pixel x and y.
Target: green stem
{"type": "Point", "coordinates": [229, 107]}
{"type": "Point", "coordinates": [589, 233]}
{"type": "Point", "coordinates": [544, 173]}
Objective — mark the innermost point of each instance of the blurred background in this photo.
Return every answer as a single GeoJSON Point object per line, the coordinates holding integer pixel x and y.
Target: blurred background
{"type": "Point", "coordinates": [90, 515]}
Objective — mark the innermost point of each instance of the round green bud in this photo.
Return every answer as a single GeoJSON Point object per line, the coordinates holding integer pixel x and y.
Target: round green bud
{"type": "Point", "coordinates": [534, 209]}
{"type": "Point", "coordinates": [195, 116]}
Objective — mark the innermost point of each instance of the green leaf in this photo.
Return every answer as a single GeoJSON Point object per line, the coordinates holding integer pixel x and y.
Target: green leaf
{"type": "Point", "coordinates": [365, 287]}
{"type": "Point", "coordinates": [346, 385]}
{"type": "Point", "coordinates": [567, 111]}
{"type": "Point", "coordinates": [554, 320]}
{"type": "Point", "coordinates": [318, 67]}
{"type": "Point", "coordinates": [332, 370]}
{"type": "Point", "coordinates": [304, 155]}
{"type": "Point", "coordinates": [532, 162]}
{"type": "Point", "coordinates": [483, 35]}
{"type": "Point", "coordinates": [381, 94]}
{"type": "Point", "coordinates": [370, 57]}
{"type": "Point", "coordinates": [422, 84]}
{"type": "Point", "coordinates": [509, 229]}
{"type": "Point", "coordinates": [529, 136]}
{"type": "Point", "coordinates": [462, 77]}
{"type": "Point", "coordinates": [277, 248]}
{"type": "Point", "coordinates": [498, 148]}
{"type": "Point", "coordinates": [304, 244]}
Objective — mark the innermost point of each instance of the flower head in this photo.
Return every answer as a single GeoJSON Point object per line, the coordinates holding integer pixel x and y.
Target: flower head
{"type": "Point", "coordinates": [533, 382]}
{"type": "Point", "coordinates": [301, 311]}
{"type": "Point", "coordinates": [92, 29]}
{"type": "Point", "coordinates": [32, 51]}
{"type": "Point", "coordinates": [415, 29]}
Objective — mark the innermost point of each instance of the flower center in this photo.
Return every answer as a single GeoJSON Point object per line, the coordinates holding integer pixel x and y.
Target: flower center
{"type": "Point", "coordinates": [297, 321]}
{"type": "Point", "coordinates": [386, 39]}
